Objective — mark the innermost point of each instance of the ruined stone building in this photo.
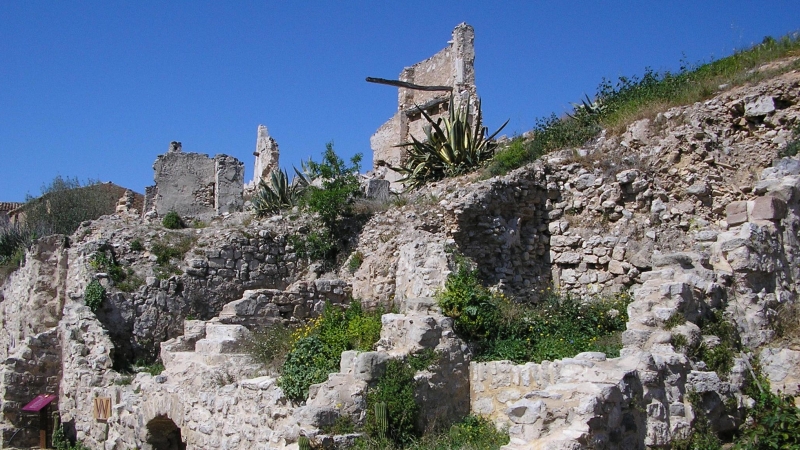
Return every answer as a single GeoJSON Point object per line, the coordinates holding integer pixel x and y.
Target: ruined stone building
{"type": "Point", "coordinates": [453, 66]}
{"type": "Point", "coordinates": [194, 184]}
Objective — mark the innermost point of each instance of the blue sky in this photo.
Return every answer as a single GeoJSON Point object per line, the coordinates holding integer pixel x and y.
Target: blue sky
{"type": "Point", "coordinates": [97, 89]}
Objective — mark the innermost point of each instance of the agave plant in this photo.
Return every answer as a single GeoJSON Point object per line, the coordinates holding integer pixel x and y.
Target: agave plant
{"type": "Point", "coordinates": [453, 145]}
{"type": "Point", "coordinates": [588, 109]}
{"type": "Point", "coordinates": [278, 193]}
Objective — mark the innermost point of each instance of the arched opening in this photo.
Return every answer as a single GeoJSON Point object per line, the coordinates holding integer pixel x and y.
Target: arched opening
{"type": "Point", "coordinates": [163, 434]}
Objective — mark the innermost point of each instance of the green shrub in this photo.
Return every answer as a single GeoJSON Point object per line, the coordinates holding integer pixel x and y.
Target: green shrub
{"type": "Point", "coordinates": [308, 363]}
{"type": "Point", "coordinates": [719, 358]}
{"type": "Point", "coordinates": [316, 246]}
{"type": "Point", "coordinates": [774, 421]}
{"type": "Point", "coordinates": [104, 261]}
{"type": "Point", "coordinates": [317, 347]}
{"type": "Point", "coordinates": [172, 221]}
{"type": "Point", "coordinates": [340, 187]}
{"type": "Point", "coordinates": [557, 327]}
{"type": "Point", "coordinates": [453, 145]}
{"type": "Point", "coordinates": [136, 245]}
{"type": "Point", "coordinates": [396, 389]}
{"type": "Point", "coordinates": [94, 295]}
{"type": "Point", "coordinates": [153, 369]}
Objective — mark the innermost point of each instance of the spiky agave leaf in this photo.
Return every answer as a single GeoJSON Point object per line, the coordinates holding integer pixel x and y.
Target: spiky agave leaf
{"type": "Point", "coordinates": [452, 146]}
{"type": "Point", "coordinates": [279, 193]}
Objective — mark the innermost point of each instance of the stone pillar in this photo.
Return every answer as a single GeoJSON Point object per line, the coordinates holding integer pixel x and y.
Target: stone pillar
{"type": "Point", "coordinates": [267, 156]}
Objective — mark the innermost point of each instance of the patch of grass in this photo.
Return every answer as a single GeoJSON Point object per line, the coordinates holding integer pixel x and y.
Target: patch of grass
{"type": "Point", "coordinates": [136, 245]}
{"type": "Point", "coordinates": [793, 146]}
{"type": "Point", "coordinates": [355, 261]}
{"type": "Point", "coordinates": [131, 283]}
{"type": "Point", "coordinates": [677, 318]}
{"type": "Point", "coordinates": [170, 248]}
{"type": "Point", "coordinates": [555, 328]}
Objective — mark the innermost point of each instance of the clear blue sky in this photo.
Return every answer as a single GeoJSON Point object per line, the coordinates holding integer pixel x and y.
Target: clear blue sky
{"type": "Point", "coordinates": [97, 89]}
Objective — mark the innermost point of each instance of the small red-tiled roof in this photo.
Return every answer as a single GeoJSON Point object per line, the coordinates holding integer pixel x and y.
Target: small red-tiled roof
{"type": "Point", "coordinates": [8, 206]}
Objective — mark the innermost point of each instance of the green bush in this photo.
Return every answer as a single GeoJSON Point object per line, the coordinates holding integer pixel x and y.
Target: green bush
{"type": "Point", "coordinates": [396, 389]}
{"type": "Point", "coordinates": [317, 347]}
{"type": "Point", "coordinates": [105, 261]}
{"type": "Point", "coordinates": [774, 421]}
{"type": "Point", "coordinates": [94, 295]}
{"type": "Point", "coordinates": [557, 327]}
{"type": "Point", "coordinates": [172, 221]}
{"type": "Point", "coordinates": [720, 357]}
{"type": "Point", "coordinates": [355, 262]}
{"type": "Point", "coordinates": [453, 145]}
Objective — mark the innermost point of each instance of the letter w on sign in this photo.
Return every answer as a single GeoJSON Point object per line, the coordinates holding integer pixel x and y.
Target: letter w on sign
{"type": "Point", "coordinates": [101, 408]}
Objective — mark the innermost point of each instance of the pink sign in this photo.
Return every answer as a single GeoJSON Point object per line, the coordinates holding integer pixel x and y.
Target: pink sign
{"type": "Point", "coordinates": [38, 403]}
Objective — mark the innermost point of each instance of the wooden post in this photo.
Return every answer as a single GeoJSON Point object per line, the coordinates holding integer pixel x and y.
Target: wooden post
{"type": "Point", "coordinates": [43, 427]}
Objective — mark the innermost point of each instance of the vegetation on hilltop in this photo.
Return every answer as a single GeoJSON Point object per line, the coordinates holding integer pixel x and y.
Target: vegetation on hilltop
{"type": "Point", "coordinates": [615, 105]}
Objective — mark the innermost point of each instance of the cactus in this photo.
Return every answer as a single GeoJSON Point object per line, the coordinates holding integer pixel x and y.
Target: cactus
{"type": "Point", "coordinates": [303, 443]}
{"type": "Point", "coordinates": [381, 419]}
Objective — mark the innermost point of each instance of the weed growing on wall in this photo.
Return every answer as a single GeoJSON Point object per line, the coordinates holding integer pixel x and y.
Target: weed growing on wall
{"type": "Point", "coordinates": [557, 327]}
{"type": "Point", "coordinates": [172, 221]}
{"type": "Point", "coordinates": [94, 295]}
{"type": "Point", "coordinates": [773, 422]}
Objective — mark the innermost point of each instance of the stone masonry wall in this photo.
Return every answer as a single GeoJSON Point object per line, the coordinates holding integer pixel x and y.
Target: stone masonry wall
{"type": "Point", "coordinates": [30, 308]}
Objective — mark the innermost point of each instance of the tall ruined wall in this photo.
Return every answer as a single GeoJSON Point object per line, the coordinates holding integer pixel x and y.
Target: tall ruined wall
{"type": "Point", "coordinates": [30, 309]}
{"type": "Point", "coordinates": [194, 185]}
{"type": "Point", "coordinates": [453, 66]}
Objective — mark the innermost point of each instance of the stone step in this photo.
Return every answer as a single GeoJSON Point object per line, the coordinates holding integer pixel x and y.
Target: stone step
{"type": "Point", "coordinates": [218, 331]}
{"type": "Point", "coordinates": [216, 346]}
